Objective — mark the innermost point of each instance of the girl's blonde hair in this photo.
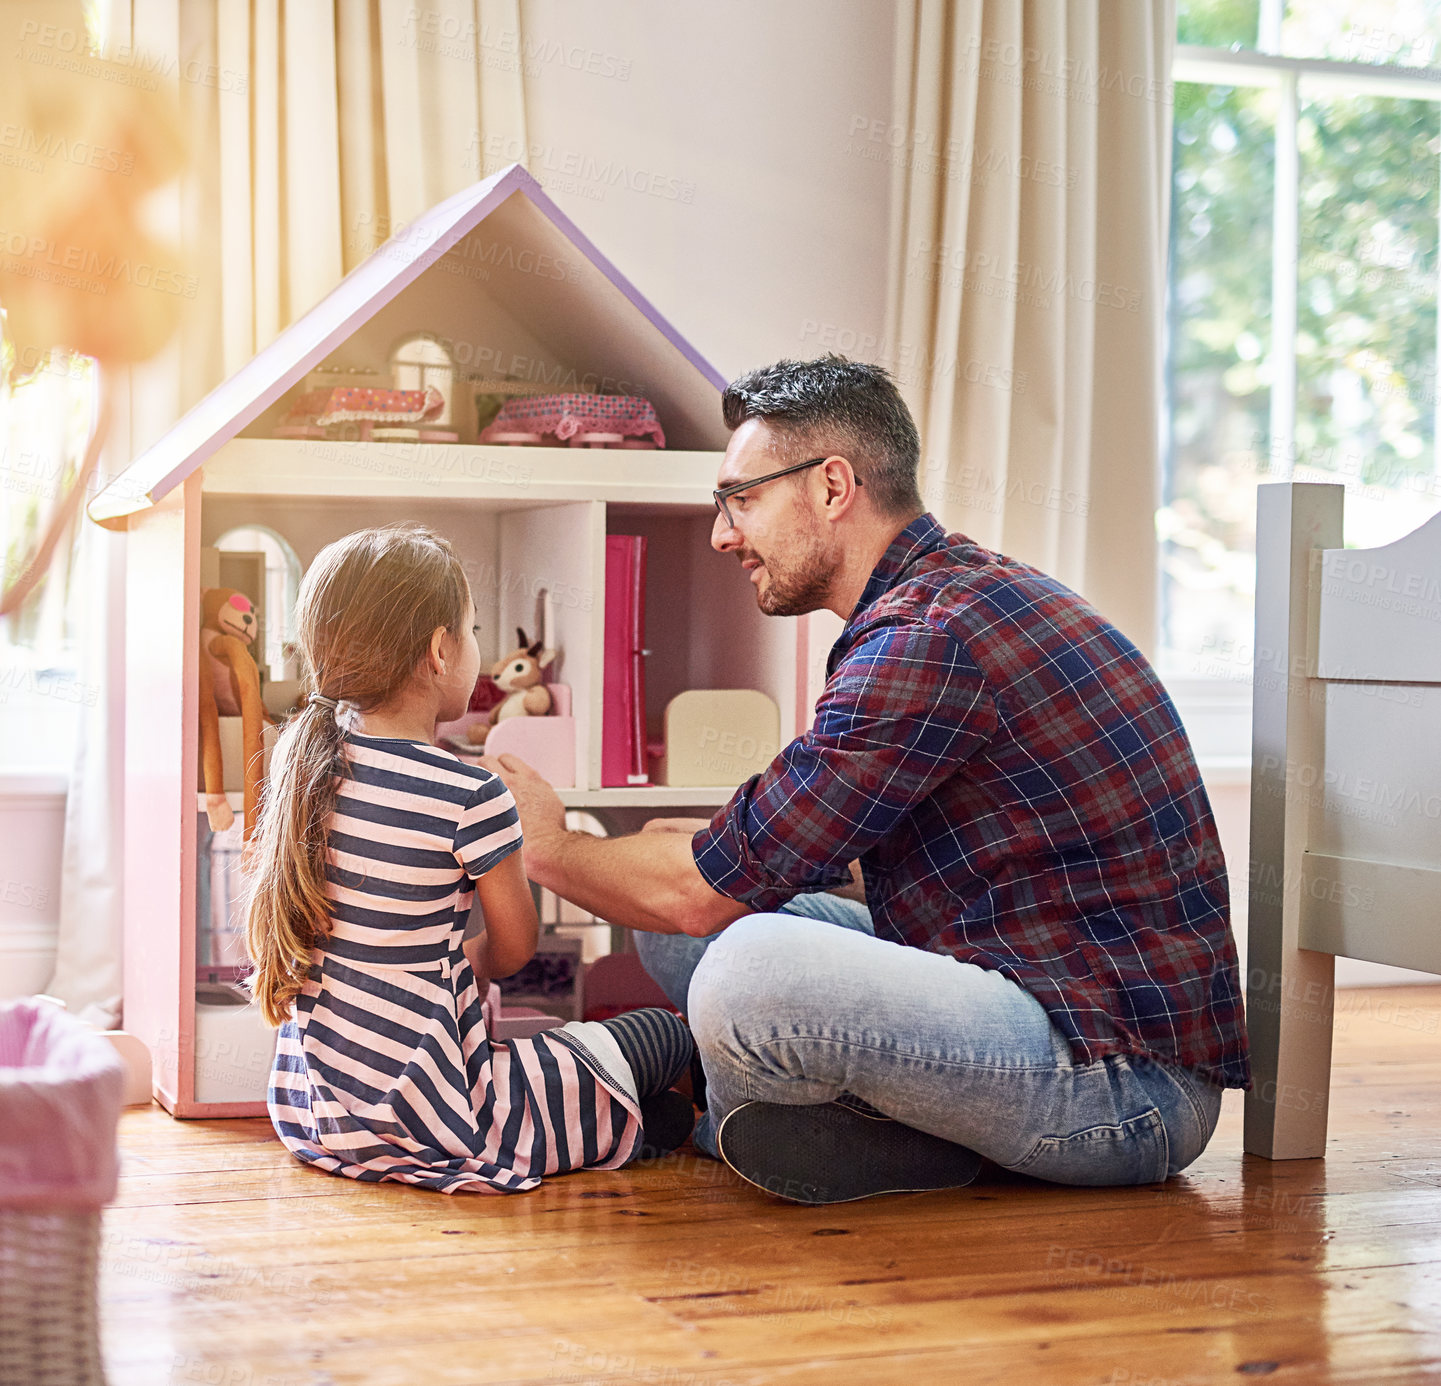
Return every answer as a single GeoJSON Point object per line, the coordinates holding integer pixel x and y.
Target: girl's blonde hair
{"type": "Point", "coordinates": [365, 615]}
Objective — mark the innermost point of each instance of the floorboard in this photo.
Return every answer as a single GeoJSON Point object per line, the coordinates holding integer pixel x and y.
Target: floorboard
{"type": "Point", "coordinates": [224, 1261]}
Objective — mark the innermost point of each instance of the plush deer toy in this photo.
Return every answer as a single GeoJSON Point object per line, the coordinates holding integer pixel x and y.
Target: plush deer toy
{"type": "Point", "coordinates": [518, 676]}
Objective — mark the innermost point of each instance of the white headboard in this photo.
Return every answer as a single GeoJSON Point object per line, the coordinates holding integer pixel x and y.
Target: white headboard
{"type": "Point", "coordinates": [1371, 873]}
{"type": "Point", "coordinates": [1345, 788]}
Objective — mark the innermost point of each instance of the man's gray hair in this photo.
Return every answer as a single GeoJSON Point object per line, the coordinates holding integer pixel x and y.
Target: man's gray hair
{"type": "Point", "coordinates": [845, 407]}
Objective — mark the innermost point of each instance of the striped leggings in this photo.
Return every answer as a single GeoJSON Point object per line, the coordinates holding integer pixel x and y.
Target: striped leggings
{"type": "Point", "coordinates": [657, 1045]}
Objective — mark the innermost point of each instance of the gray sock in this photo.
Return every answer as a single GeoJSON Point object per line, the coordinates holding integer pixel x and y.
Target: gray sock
{"type": "Point", "coordinates": [657, 1045]}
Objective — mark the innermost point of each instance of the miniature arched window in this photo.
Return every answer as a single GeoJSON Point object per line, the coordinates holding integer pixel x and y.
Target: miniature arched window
{"type": "Point", "coordinates": [420, 361]}
{"type": "Point", "coordinates": [282, 587]}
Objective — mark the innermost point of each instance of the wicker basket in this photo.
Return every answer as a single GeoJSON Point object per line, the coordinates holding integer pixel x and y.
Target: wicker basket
{"type": "Point", "coordinates": [60, 1091]}
{"type": "Point", "coordinates": [49, 1326]}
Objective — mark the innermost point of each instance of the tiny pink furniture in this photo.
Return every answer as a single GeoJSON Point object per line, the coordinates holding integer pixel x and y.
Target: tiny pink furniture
{"type": "Point", "coordinates": [546, 744]}
{"type": "Point", "coordinates": [619, 983]}
{"type": "Point", "coordinates": [516, 1022]}
{"type": "Point", "coordinates": [588, 419]}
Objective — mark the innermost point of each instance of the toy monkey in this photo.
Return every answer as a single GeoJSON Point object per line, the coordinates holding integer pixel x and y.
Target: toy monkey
{"type": "Point", "coordinates": [518, 676]}
{"type": "Point", "coordinates": [229, 685]}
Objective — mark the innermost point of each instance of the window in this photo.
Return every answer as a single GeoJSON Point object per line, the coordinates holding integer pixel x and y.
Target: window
{"type": "Point", "coordinates": [422, 361]}
{"type": "Point", "coordinates": [1303, 295]}
{"type": "Point", "coordinates": [45, 422]}
{"type": "Point", "coordinates": [277, 602]}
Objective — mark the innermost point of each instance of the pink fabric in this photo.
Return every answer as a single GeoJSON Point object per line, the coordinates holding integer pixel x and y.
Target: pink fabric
{"type": "Point", "coordinates": [341, 405]}
{"type": "Point", "coordinates": [60, 1093]}
{"type": "Point", "coordinates": [567, 415]}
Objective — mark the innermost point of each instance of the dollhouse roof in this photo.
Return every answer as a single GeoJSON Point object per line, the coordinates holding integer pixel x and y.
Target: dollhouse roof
{"type": "Point", "coordinates": [538, 276]}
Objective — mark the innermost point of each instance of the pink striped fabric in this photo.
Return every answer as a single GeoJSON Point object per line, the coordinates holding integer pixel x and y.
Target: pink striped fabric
{"type": "Point", "coordinates": [386, 1071]}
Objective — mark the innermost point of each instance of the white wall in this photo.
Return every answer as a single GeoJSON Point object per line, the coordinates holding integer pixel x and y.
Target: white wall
{"type": "Point", "coordinates": [32, 823]}
{"type": "Point", "coordinates": [762, 221]}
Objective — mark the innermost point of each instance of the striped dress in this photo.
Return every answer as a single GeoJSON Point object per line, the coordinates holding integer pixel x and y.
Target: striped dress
{"type": "Point", "coordinates": [386, 1070]}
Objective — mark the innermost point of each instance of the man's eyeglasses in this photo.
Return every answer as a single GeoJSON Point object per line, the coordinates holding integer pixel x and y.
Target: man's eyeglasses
{"type": "Point", "coordinates": [735, 488]}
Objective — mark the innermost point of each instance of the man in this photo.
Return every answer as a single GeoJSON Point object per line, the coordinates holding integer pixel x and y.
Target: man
{"type": "Point", "coordinates": [1043, 971]}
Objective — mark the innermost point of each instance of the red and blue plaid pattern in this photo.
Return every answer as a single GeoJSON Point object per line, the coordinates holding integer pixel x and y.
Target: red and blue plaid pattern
{"type": "Point", "coordinates": [1021, 795]}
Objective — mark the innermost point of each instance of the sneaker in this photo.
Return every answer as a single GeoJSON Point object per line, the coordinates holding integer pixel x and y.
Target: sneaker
{"type": "Point", "coordinates": [667, 1119]}
{"type": "Point", "coordinates": [830, 1153]}
{"type": "Point", "coordinates": [698, 1092]}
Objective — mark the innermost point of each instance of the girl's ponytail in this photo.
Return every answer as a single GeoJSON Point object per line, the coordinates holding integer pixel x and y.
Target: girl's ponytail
{"type": "Point", "coordinates": [288, 914]}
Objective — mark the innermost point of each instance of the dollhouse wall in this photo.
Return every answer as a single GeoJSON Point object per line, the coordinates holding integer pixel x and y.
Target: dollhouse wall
{"type": "Point", "coordinates": [703, 628]}
{"type": "Point", "coordinates": [161, 738]}
{"type": "Point", "coordinates": [702, 625]}
{"type": "Point", "coordinates": [516, 297]}
{"type": "Point", "coordinates": [558, 550]}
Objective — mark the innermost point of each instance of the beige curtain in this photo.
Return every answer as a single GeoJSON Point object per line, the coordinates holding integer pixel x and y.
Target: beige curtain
{"type": "Point", "coordinates": [316, 127]}
{"type": "Point", "coordinates": [327, 124]}
{"type": "Point", "coordinates": [1030, 146]}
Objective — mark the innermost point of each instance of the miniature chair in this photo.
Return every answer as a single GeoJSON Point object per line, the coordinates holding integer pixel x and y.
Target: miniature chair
{"type": "Point", "coordinates": [60, 1091]}
{"type": "Point", "coordinates": [546, 744]}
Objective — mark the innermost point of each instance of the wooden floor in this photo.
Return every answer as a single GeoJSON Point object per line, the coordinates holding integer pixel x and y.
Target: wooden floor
{"type": "Point", "coordinates": [226, 1262]}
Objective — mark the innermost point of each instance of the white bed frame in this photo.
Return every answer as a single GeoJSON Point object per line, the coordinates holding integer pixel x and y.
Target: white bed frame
{"type": "Point", "coordinates": [1345, 790]}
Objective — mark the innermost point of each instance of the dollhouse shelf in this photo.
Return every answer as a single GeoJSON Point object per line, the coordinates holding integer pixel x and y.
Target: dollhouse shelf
{"type": "Point", "coordinates": [234, 797]}
{"type": "Point", "coordinates": [655, 796]}
{"type": "Point", "coordinates": [648, 797]}
{"type": "Point", "coordinates": [499, 478]}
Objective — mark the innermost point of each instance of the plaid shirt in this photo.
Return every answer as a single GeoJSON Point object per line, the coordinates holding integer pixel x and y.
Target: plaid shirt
{"type": "Point", "coordinates": [1020, 794]}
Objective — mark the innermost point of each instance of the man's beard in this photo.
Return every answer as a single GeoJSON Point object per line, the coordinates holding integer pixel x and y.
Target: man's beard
{"type": "Point", "coordinates": [805, 584]}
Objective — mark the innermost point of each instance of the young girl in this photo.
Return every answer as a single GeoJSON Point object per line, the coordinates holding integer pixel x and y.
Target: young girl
{"type": "Point", "coordinates": [371, 845]}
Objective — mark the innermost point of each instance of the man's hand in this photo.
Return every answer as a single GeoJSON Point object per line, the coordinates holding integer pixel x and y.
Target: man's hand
{"type": "Point", "coordinates": [857, 888]}
{"type": "Point", "coordinates": [542, 815]}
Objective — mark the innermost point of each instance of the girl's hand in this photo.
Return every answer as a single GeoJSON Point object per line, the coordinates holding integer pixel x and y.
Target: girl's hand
{"type": "Point", "coordinates": [477, 953]}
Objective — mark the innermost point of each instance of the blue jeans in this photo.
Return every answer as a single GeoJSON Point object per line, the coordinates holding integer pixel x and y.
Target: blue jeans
{"type": "Point", "coordinates": [791, 1008]}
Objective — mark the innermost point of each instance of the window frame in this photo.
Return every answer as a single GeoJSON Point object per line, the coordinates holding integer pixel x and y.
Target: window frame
{"type": "Point", "coordinates": [1266, 66]}
{"type": "Point", "coordinates": [412, 339]}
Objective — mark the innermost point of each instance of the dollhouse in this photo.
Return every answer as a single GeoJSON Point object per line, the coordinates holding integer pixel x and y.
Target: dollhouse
{"type": "Point", "coordinates": [494, 290]}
